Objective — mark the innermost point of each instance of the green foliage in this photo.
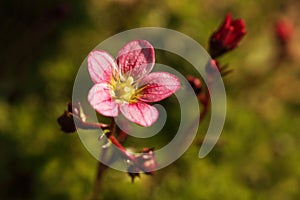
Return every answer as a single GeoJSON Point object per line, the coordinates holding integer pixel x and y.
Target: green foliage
{"type": "Point", "coordinates": [257, 155]}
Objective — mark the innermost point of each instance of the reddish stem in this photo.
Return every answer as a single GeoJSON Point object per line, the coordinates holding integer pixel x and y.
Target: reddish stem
{"type": "Point", "coordinates": [121, 148]}
{"type": "Point", "coordinates": [205, 100]}
{"type": "Point", "coordinates": [88, 125]}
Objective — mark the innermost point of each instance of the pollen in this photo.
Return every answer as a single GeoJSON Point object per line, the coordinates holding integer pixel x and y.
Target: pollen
{"type": "Point", "coordinates": [123, 90]}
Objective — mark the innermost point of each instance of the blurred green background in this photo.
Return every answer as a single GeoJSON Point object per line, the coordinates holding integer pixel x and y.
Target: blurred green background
{"type": "Point", "coordinates": [42, 46]}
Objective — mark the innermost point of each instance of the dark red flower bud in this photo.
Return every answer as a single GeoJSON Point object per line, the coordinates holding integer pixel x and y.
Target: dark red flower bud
{"type": "Point", "coordinates": [227, 37]}
{"type": "Point", "coordinates": [66, 121]}
{"type": "Point", "coordinates": [284, 30]}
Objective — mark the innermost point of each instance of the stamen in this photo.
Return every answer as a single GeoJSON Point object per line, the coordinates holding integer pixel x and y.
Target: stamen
{"type": "Point", "coordinates": [123, 90]}
{"type": "Point", "coordinates": [127, 89]}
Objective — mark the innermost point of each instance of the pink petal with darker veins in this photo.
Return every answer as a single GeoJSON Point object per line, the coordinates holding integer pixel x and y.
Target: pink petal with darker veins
{"type": "Point", "coordinates": [100, 66]}
{"type": "Point", "coordinates": [136, 58]}
{"type": "Point", "coordinates": [100, 99]}
{"type": "Point", "coordinates": [158, 86]}
{"type": "Point", "coordinates": [140, 113]}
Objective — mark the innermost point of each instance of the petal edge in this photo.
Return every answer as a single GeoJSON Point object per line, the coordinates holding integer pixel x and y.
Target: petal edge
{"type": "Point", "coordinates": [136, 58]}
{"type": "Point", "coordinates": [140, 113]}
{"type": "Point", "coordinates": [100, 66]}
{"type": "Point", "coordinates": [100, 99]}
{"type": "Point", "coordinates": [158, 86]}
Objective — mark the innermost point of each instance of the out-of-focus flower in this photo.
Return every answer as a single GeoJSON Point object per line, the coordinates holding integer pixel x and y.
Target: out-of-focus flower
{"type": "Point", "coordinates": [126, 85]}
{"type": "Point", "coordinates": [227, 37]}
{"type": "Point", "coordinates": [284, 30]}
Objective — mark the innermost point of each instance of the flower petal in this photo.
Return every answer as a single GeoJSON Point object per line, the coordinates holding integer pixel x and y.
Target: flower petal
{"type": "Point", "coordinates": [100, 99]}
{"type": "Point", "coordinates": [100, 66]}
{"type": "Point", "coordinates": [158, 86]}
{"type": "Point", "coordinates": [136, 58]}
{"type": "Point", "coordinates": [140, 113]}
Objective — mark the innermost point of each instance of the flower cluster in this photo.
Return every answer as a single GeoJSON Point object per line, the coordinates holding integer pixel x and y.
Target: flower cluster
{"type": "Point", "coordinates": [224, 39]}
{"type": "Point", "coordinates": [125, 85]}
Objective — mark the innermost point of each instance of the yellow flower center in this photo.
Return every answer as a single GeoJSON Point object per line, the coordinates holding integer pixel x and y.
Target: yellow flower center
{"type": "Point", "coordinates": [123, 90]}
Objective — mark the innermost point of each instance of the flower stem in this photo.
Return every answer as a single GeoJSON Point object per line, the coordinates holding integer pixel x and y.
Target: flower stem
{"type": "Point", "coordinates": [88, 125]}
{"type": "Point", "coordinates": [101, 168]}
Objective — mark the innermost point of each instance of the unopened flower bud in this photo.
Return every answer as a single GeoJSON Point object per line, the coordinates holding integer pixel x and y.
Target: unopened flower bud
{"type": "Point", "coordinates": [66, 122]}
{"type": "Point", "coordinates": [227, 37]}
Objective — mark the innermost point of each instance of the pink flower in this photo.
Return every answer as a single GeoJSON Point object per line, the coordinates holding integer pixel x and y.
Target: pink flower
{"type": "Point", "coordinates": [227, 37]}
{"type": "Point", "coordinates": [126, 85]}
